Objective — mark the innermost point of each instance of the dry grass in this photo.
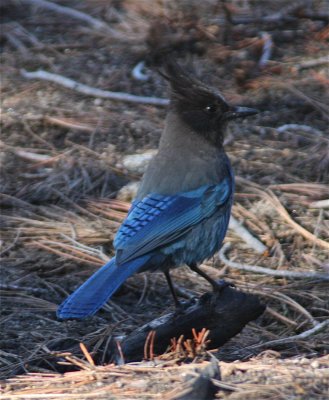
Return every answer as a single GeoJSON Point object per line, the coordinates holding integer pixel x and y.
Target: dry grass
{"type": "Point", "coordinates": [62, 154]}
{"type": "Point", "coordinates": [146, 381]}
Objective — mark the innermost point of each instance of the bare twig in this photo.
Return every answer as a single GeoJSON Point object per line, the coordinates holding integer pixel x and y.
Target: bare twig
{"type": "Point", "coordinates": [86, 249]}
{"type": "Point", "coordinates": [304, 335]}
{"type": "Point", "coordinates": [320, 204]}
{"type": "Point", "coordinates": [281, 298]}
{"type": "Point", "coordinates": [16, 43]}
{"type": "Point", "coordinates": [74, 254]}
{"type": "Point", "coordinates": [12, 245]}
{"type": "Point", "coordinates": [270, 196]}
{"type": "Point", "coordinates": [286, 14]}
{"type": "Point", "coordinates": [267, 49]}
{"type": "Point", "coordinates": [86, 354]}
{"type": "Point", "coordinates": [90, 91]}
{"type": "Point", "coordinates": [22, 288]}
{"type": "Point", "coordinates": [267, 271]}
{"type": "Point", "coordinates": [48, 5]}
{"type": "Point", "coordinates": [281, 317]}
{"type": "Point", "coordinates": [245, 235]}
{"type": "Point", "coordinates": [138, 73]}
{"type": "Point", "coordinates": [27, 155]}
{"type": "Point", "coordinates": [313, 190]}
{"type": "Point", "coordinates": [294, 304]}
{"type": "Point", "coordinates": [67, 123]}
{"type": "Point", "coordinates": [313, 63]}
{"type": "Point", "coordinates": [17, 35]}
{"type": "Point", "coordinates": [318, 105]}
{"type": "Point", "coordinates": [297, 127]}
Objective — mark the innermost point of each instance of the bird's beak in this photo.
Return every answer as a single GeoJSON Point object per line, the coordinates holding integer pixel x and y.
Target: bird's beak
{"type": "Point", "coordinates": [239, 112]}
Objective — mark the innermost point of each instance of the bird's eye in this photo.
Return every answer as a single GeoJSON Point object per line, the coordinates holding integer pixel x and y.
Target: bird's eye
{"type": "Point", "coordinates": [211, 108]}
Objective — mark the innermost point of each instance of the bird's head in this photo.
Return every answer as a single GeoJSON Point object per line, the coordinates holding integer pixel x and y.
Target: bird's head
{"type": "Point", "coordinates": [202, 108]}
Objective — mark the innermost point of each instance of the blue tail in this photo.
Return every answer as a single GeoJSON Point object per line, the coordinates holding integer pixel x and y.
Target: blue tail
{"type": "Point", "coordinates": [90, 296]}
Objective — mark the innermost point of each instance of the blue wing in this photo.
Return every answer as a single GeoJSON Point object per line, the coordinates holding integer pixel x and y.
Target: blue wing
{"type": "Point", "coordinates": [157, 220]}
{"type": "Point", "coordinates": [153, 222]}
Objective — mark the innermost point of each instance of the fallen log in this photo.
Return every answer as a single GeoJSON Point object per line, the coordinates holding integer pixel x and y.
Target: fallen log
{"type": "Point", "coordinates": [224, 313]}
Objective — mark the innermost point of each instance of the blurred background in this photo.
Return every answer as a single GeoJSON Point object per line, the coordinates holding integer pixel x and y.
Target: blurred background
{"type": "Point", "coordinates": [72, 154]}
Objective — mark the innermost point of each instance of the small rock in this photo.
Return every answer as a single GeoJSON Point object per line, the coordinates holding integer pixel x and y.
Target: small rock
{"type": "Point", "coordinates": [98, 102]}
{"type": "Point", "coordinates": [128, 192]}
{"type": "Point", "coordinates": [137, 163]}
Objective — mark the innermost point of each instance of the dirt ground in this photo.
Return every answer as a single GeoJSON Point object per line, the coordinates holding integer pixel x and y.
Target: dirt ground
{"type": "Point", "coordinates": [63, 164]}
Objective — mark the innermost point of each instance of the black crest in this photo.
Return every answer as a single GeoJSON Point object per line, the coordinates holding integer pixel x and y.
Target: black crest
{"type": "Point", "coordinates": [199, 106]}
{"type": "Point", "coordinates": [185, 86]}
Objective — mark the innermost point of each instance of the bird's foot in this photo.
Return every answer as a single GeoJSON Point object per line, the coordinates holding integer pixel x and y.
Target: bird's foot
{"type": "Point", "coordinates": [220, 285]}
{"type": "Point", "coordinates": [182, 306]}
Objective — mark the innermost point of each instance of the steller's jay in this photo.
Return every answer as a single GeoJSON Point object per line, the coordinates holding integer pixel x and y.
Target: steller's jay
{"type": "Point", "coordinates": [182, 209]}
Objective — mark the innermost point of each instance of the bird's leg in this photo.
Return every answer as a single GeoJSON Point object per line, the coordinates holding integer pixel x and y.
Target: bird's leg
{"type": "Point", "coordinates": [217, 286]}
{"type": "Point", "coordinates": [172, 290]}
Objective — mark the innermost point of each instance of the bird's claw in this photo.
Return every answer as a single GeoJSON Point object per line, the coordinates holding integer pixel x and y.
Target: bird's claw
{"type": "Point", "coordinates": [221, 285]}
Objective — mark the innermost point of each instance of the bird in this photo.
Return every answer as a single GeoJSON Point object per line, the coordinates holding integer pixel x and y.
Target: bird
{"type": "Point", "coordinates": [182, 208]}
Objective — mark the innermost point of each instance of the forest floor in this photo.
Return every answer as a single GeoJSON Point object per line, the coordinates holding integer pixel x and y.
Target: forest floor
{"type": "Point", "coordinates": [63, 163]}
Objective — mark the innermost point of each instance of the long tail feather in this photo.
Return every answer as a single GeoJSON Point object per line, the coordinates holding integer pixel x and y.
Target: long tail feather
{"type": "Point", "coordinates": [90, 296]}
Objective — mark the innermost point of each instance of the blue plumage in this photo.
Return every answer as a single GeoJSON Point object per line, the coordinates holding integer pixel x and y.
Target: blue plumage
{"type": "Point", "coordinates": [90, 296]}
{"type": "Point", "coordinates": [169, 219]}
{"type": "Point", "coordinates": [159, 232]}
{"type": "Point", "coordinates": [182, 209]}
